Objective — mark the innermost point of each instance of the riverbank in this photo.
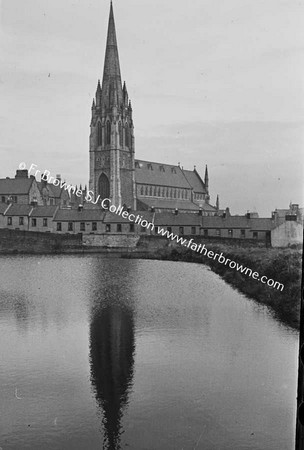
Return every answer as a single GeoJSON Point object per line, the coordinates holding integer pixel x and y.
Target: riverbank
{"type": "Point", "coordinates": [282, 265]}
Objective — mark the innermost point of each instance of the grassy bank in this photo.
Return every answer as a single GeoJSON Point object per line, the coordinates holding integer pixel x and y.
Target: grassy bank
{"type": "Point", "coordinates": [282, 265]}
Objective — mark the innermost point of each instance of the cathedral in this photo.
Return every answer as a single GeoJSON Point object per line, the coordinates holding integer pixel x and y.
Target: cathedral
{"type": "Point", "coordinates": [115, 173]}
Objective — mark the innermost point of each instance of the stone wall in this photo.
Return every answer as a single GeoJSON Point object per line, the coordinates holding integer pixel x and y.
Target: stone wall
{"type": "Point", "coordinates": [17, 241]}
{"type": "Point", "coordinates": [111, 240]}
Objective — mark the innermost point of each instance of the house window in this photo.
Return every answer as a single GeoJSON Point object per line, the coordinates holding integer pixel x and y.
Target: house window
{"type": "Point", "coordinates": [118, 228]}
{"type": "Point", "coordinates": [242, 233]}
{"type": "Point", "coordinates": [70, 226]}
{"type": "Point", "coordinates": [132, 228]}
{"type": "Point", "coordinates": [142, 229]}
{"type": "Point", "coordinates": [9, 221]}
{"type": "Point", "coordinates": [218, 232]}
{"type": "Point", "coordinates": [205, 233]}
{"type": "Point", "coordinates": [15, 198]}
{"type": "Point", "coordinates": [181, 230]}
{"type": "Point", "coordinates": [45, 222]}
{"type": "Point", "coordinates": [51, 201]}
{"type": "Point", "coordinates": [156, 230]}
{"type": "Point", "coordinates": [94, 226]}
{"type": "Point", "coordinates": [230, 233]}
{"type": "Point", "coordinates": [193, 230]}
{"type": "Point", "coordinates": [21, 220]}
{"type": "Point", "coordinates": [255, 234]}
{"type": "Point", "coordinates": [169, 229]}
{"type": "Point", "coordinates": [34, 222]}
{"type": "Point", "coordinates": [82, 226]}
{"type": "Point", "coordinates": [108, 228]}
{"type": "Point", "coordinates": [58, 226]}
{"type": "Point", "coordinates": [3, 199]}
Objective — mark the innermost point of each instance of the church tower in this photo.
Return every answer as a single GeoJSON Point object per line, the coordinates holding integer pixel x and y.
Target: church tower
{"type": "Point", "coordinates": [112, 167]}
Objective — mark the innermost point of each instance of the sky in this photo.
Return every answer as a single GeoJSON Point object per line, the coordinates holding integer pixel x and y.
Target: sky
{"type": "Point", "coordinates": [211, 82]}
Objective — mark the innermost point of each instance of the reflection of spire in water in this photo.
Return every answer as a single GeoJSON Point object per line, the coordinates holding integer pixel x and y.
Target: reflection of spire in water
{"type": "Point", "coordinates": [111, 355]}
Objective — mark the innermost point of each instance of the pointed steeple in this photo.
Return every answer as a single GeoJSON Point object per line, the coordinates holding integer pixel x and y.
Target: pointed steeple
{"type": "Point", "coordinates": [217, 202]}
{"type": "Point", "coordinates": [111, 81]}
{"type": "Point", "coordinates": [206, 178]}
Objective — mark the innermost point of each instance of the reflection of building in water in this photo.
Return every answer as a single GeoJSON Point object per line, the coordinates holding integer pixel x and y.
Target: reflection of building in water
{"type": "Point", "coordinates": [111, 358]}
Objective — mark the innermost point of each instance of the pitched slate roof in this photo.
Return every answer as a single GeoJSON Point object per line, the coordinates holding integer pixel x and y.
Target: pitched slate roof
{"type": "Point", "coordinates": [19, 210]}
{"type": "Point", "coordinates": [228, 222]}
{"type": "Point", "coordinates": [116, 218]}
{"type": "Point", "coordinates": [15, 186]}
{"type": "Point", "coordinates": [262, 224]}
{"type": "Point", "coordinates": [195, 181]}
{"type": "Point", "coordinates": [180, 219]}
{"type": "Point", "coordinates": [163, 203]}
{"type": "Point", "coordinates": [55, 191]}
{"type": "Point", "coordinates": [70, 215]}
{"type": "Point", "coordinates": [147, 172]}
{"type": "Point", "coordinates": [43, 211]}
{"type": "Point", "coordinates": [254, 224]}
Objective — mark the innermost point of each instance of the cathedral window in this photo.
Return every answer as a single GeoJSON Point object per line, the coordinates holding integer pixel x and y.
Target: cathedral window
{"type": "Point", "coordinates": [127, 135]}
{"type": "Point", "coordinates": [142, 190]}
{"type": "Point", "coordinates": [155, 192]}
{"type": "Point", "coordinates": [147, 190]}
{"type": "Point", "coordinates": [182, 193]}
{"type": "Point", "coordinates": [120, 134]}
{"type": "Point", "coordinates": [108, 133]}
{"type": "Point", "coordinates": [158, 192]}
{"type": "Point", "coordinates": [174, 193]}
{"type": "Point", "coordinates": [151, 193]}
{"type": "Point", "coordinates": [99, 134]}
{"type": "Point", "coordinates": [167, 192]}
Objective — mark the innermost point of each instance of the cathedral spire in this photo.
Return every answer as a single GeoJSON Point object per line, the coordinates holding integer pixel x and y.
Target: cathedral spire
{"type": "Point", "coordinates": [111, 81]}
{"type": "Point", "coordinates": [206, 177]}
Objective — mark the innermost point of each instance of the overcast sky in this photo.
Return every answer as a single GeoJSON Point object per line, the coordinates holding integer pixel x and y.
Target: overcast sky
{"type": "Point", "coordinates": [217, 82]}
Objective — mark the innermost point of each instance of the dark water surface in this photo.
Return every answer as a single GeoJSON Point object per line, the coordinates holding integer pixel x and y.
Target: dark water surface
{"type": "Point", "coordinates": [109, 353]}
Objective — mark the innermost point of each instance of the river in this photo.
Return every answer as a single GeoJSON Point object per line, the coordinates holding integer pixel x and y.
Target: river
{"type": "Point", "coordinates": [107, 353]}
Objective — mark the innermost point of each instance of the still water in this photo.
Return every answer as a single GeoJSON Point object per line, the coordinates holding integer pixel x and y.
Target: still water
{"type": "Point", "coordinates": [111, 354]}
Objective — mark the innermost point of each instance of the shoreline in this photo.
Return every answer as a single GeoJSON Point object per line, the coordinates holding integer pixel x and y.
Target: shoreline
{"type": "Point", "coordinates": [282, 264]}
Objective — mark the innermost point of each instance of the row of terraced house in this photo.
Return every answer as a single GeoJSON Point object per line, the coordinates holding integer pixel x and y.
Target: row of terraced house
{"type": "Point", "coordinates": [283, 228]}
